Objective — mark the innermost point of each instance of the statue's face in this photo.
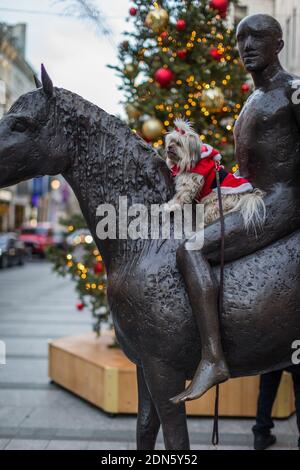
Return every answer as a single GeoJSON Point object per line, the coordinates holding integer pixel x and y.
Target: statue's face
{"type": "Point", "coordinates": [258, 43]}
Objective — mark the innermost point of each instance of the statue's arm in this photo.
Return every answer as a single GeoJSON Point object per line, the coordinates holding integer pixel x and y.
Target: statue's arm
{"type": "Point", "coordinates": [283, 217]}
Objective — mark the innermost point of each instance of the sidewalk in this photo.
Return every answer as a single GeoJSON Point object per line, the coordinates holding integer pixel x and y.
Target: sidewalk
{"type": "Point", "coordinates": [36, 305]}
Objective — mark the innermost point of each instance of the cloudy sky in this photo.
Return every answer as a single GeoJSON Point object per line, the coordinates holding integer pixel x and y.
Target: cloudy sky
{"type": "Point", "coordinates": [74, 54]}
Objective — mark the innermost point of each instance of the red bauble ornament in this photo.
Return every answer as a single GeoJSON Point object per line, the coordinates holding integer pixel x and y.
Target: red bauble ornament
{"type": "Point", "coordinates": [221, 6]}
{"type": "Point", "coordinates": [182, 53]}
{"type": "Point", "coordinates": [180, 25]}
{"type": "Point", "coordinates": [215, 54]}
{"type": "Point", "coordinates": [245, 88]}
{"type": "Point", "coordinates": [164, 77]}
{"type": "Point", "coordinates": [133, 11]}
{"type": "Point", "coordinates": [164, 35]}
{"type": "Point", "coordinates": [80, 306]}
{"type": "Point", "coordinates": [98, 268]}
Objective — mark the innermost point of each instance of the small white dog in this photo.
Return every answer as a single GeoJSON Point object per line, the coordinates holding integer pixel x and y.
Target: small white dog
{"type": "Point", "coordinates": [194, 166]}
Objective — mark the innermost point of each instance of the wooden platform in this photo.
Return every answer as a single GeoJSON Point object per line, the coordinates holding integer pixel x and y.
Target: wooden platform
{"type": "Point", "coordinates": [105, 377]}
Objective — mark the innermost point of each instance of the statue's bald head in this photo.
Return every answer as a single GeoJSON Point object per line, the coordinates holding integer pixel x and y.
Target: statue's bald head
{"type": "Point", "coordinates": [264, 23]}
{"type": "Point", "coordinates": [259, 39]}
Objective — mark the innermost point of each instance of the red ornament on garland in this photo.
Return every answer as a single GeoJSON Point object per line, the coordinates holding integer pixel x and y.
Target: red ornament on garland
{"type": "Point", "coordinates": [80, 306]}
{"type": "Point", "coordinates": [215, 54]}
{"type": "Point", "coordinates": [164, 35]}
{"type": "Point", "coordinates": [180, 25]}
{"type": "Point", "coordinates": [221, 6]}
{"type": "Point", "coordinates": [98, 268]}
{"type": "Point", "coordinates": [164, 77]}
{"type": "Point", "coordinates": [133, 11]}
{"type": "Point", "coordinates": [245, 88]}
{"type": "Point", "coordinates": [182, 53]}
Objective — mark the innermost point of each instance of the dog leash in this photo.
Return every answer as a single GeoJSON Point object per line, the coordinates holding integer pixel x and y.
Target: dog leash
{"type": "Point", "coordinates": [215, 434]}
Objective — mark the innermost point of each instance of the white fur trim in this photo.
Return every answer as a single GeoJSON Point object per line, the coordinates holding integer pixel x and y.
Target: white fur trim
{"type": "Point", "coordinates": [243, 188]}
{"type": "Point", "coordinates": [208, 152]}
{"type": "Point", "coordinates": [218, 158]}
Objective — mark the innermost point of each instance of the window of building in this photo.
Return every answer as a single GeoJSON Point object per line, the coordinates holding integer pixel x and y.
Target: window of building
{"type": "Point", "coordinates": [240, 11]}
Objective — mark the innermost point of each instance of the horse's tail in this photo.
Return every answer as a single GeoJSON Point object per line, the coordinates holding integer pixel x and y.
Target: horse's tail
{"type": "Point", "coordinates": [253, 210]}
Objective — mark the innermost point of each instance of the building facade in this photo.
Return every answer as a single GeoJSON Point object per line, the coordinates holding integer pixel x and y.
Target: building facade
{"type": "Point", "coordinates": [16, 78]}
{"type": "Point", "coordinates": [287, 12]}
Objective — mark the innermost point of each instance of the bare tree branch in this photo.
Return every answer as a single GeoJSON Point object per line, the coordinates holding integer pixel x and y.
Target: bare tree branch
{"type": "Point", "coordinates": [87, 10]}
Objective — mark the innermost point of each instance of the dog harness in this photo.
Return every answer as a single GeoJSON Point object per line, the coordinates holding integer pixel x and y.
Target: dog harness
{"type": "Point", "coordinates": [210, 161]}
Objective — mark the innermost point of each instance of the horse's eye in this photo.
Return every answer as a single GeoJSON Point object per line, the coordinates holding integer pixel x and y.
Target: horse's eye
{"type": "Point", "coordinates": [19, 126]}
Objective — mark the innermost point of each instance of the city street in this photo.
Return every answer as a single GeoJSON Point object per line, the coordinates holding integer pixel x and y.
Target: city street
{"type": "Point", "coordinates": [36, 305]}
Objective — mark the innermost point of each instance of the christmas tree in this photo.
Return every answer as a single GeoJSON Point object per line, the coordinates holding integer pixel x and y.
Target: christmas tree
{"type": "Point", "coordinates": [81, 260]}
{"type": "Point", "coordinates": [181, 60]}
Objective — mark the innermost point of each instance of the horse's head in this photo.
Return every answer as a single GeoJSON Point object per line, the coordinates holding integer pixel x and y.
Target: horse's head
{"type": "Point", "coordinates": [30, 144]}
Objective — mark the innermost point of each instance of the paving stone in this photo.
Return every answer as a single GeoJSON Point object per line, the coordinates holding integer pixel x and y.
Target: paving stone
{"type": "Point", "coordinates": [25, 370]}
{"type": "Point", "coordinates": [23, 347]}
{"type": "Point", "coordinates": [3, 443]}
{"type": "Point", "coordinates": [22, 444]}
{"type": "Point", "coordinates": [13, 416]}
{"type": "Point", "coordinates": [30, 398]}
{"type": "Point", "coordinates": [67, 445]}
{"type": "Point", "coordinates": [107, 446]}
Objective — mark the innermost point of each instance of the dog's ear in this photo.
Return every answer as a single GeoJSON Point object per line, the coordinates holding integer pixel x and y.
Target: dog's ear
{"type": "Point", "coordinates": [195, 146]}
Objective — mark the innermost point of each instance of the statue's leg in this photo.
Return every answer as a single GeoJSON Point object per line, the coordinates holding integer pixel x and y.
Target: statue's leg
{"type": "Point", "coordinates": [148, 422]}
{"type": "Point", "coordinates": [203, 295]}
{"type": "Point", "coordinates": [164, 382]}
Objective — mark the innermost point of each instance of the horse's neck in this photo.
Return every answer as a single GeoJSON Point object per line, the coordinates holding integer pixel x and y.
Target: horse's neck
{"type": "Point", "coordinates": [114, 162]}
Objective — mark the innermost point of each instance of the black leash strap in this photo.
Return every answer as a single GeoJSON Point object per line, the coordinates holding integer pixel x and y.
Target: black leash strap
{"type": "Point", "coordinates": [215, 434]}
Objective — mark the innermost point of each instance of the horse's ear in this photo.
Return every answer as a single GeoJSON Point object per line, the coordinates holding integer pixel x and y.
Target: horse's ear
{"type": "Point", "coordinates": [37, 82]}
{"type": "Point", "coordinates": [46, 82]}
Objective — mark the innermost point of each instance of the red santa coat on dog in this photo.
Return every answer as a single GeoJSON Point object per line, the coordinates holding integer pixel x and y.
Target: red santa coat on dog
{"type": "Point", "coordinates": [206, 167]}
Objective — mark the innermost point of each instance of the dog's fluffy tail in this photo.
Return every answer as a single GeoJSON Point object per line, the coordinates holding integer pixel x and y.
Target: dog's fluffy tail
{"type": "Point", "coordinates": [253, 210]}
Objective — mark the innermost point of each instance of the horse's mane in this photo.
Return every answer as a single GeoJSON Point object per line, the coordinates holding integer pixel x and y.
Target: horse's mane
{"type": "Point", "coordinates": [111, 147]}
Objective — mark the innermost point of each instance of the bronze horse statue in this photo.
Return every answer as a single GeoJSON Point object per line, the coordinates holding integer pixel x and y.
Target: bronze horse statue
{"type": "Point", "coordinates": [53, 131]}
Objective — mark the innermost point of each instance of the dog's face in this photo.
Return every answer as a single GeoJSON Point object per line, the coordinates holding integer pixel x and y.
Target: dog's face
{"type": "Point", "coordinates": [183, 146]}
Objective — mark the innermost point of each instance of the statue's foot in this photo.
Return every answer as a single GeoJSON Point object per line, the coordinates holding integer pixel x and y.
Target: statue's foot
{"type": "Point", "coordinates": [207, 375]}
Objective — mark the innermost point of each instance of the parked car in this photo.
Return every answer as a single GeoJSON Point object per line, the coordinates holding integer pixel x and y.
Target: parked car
{"type": "Point", "coordinates": [38, 238]}
{"type": "Point", "coordinates": [12, 250]}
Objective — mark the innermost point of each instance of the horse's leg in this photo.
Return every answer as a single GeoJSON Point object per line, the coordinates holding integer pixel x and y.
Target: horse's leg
{"type": "Point", "coordinates": [148, 422]}
{"type": "Point", "coordinates": [164, 382]}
